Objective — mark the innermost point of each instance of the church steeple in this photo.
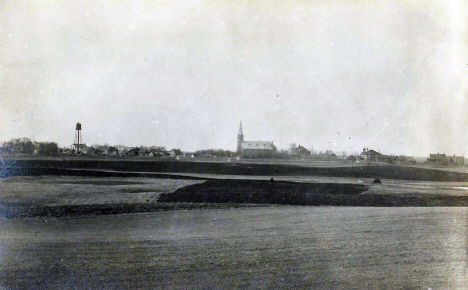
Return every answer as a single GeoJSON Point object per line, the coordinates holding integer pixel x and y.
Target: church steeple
{"type": "Point", "coordinates": [240, 139]}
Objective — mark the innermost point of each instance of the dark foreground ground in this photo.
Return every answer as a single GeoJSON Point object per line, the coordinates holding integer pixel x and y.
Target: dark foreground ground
{"type": "Point", "coordinates": [287, 247]}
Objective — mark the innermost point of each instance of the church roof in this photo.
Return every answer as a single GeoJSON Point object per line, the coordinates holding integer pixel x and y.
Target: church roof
{"type": "Point", "coordinates": [301, 149]}
{"type": "Point", "coordinates": [258, 145]}
{"type": "Point", "coordinates": [371, 152]}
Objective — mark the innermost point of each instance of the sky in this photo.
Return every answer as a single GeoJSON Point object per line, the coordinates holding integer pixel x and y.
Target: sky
{"type": "Point", "coordinates": [333, 75]}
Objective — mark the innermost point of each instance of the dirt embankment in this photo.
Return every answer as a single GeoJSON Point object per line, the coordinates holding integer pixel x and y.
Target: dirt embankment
{"type": "Point", "coordinates": [145, 168]}
{"type": "Point", "coordinates": [262, 192]}
{"type": "Point", "coordinates": [240, 193]}
{"type": "Point", "coordinates": [291, 193]}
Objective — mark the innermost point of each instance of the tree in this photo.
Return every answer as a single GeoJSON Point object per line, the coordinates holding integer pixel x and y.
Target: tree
{"type": "Point", "coordinates": [28, 147]}
{"type": "Point", "coordinates": [352, 158]}
{"type": "Point", "coordinates": [47, 148]}
{"type": "Point", "coordinates": [292, 146]}
{"type": "Point", "coordinates": [22, 144]}
{"type": "Point", "coordinates": [342, 154]}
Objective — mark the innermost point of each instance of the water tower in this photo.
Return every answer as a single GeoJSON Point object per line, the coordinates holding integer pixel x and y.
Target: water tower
{"type": "Point", "coordinates": [78, 136]}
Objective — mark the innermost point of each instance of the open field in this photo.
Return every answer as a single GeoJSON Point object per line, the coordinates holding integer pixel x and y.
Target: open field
{"type": "Point", "coordinates": [281, 247]}
{"type": "Point", "coordinates": [82, 195]}
{"type": "Point", "coordinates": [145, 168]}
{"type": "Point", "coordinates": [143, 225]}
{"type": "Point", "coordinates": [71, 190]}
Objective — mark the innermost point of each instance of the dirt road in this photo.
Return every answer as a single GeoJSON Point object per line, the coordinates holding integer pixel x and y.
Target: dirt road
{"type": "Point", "coordinates": [272, 247]}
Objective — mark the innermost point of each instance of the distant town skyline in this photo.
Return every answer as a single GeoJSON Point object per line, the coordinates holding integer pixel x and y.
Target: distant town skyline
{"type": "Point", "coordinates": [386, 75]}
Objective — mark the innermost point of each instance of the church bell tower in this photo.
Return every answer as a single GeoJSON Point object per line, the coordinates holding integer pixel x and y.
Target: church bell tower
{"type": "Point", "coordinates": [240, 139]}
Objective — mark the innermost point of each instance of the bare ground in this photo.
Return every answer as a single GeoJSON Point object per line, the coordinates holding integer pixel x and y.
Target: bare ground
{"type": "Point", "coordinates": [79, 190]}
{"type": "Point", "coordinates": [149, 168]}
{"type": "Point", "coordinates": [266, 247]}
{"type": "Point", "coordinates": [75, 195]}
{"type": "Point", "coordinates": [262, 248]}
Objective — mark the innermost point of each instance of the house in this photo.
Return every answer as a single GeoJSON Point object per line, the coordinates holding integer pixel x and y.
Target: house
{"type": "Point", "coordinates": [456, 160]}
{"type": "Point", "coordinates": [64, 151]}
{"type": "Point", "coordinates": [143, 152]}
{"type": "Point", "coordinates": [131, 152]}
{"type": "Point", "coordinates": [155, 153]}
{"type": "Point", "coordinates": [444, 160]}
{"type": "Point", "coordinates": [110, 151]}
{"type": "Point", "coordinates": [328, 154]}
{"type": "Point", "coordinates": [80, 148]}
{"type": "Point", "coordinates": [437, 159]}
{"type": "Point", "coordinates": [158, 152]}
{"type": "Point", "coordinates": [175, 152]}
{"type": "Point", "coordinates": [92, 151]}
{"type": "Point", "coordinates": [254, 149]}
{"type": "Point", "coordinates": [410, 160]}
{"type": "Point", "coordinates": [405, 160]}
{"type": "Point", "coordinates": [300, 152]}
{"type": "Point", "coordinates": [371, 155]}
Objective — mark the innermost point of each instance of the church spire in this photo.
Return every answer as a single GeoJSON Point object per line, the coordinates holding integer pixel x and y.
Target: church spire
{"type": "Point", "coordinates": [240, 139]}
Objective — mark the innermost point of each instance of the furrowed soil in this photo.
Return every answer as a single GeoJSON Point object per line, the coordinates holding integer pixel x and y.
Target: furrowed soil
{"type": "Point", "coordinates": [283, 247]}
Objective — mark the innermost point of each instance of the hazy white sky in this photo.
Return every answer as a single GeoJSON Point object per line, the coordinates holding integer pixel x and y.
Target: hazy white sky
{"type": "Point", "coordinates": [348, 74]}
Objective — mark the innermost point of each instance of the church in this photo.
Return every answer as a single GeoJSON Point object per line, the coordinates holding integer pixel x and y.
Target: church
{"type": "Point", "coordinates": [254, 149]}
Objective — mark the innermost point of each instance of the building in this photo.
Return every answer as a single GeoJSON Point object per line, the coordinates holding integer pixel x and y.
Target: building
{"type": "Point", "coordinates": [328, 154]}
{"type": "Point", "coordinates": [437, 159]}
{"type": "Point", "coordinates": [456, 160]}
{"type": "Point", "coordinates": [80, 148]}
{"type": "Point", "coordinates": [92, 151]}
{"type": "Point", "coordinates": [444, 160]}
{"type": "Point", "coordinates": [371, 155]}
{"type": "Point", "coordinates": [156, 152]}
{"type": "Point", "coordinates": [143, 152]}
{"type": "Point", "coordinates": [254, 149]}
{"type": "Point", "coordinates": [176, 152]}
{"type": "Point", "coordinates": [110, 151]}
{"type": "Point", "coordinates": [131, 152]}
{"type": "Point", "coordinates": [404, 160]}
{"type": "Point", "coordinates": [300, 152]}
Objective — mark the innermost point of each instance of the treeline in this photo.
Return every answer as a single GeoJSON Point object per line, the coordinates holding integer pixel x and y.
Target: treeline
{"type": "Point", "coordinates": [214, 153]}
{"type": "Point", "coordinates": [26, 146]}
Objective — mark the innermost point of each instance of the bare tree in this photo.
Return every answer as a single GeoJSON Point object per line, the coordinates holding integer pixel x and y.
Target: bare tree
{"type": "Point", "coordinates": [292, 146]}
